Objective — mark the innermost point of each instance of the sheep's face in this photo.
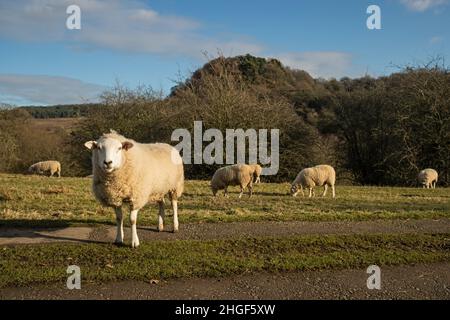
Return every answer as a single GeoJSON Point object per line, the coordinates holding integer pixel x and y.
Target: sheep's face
{"type": "Point", "coordinates": [294, 190]}
{"type": "Point", "coordinates": [109, 153]}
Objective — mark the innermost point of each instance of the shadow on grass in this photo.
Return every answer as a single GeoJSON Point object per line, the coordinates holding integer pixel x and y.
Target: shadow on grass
{"type": "Point", "coordinates": [33, 236]}
{"type": "Point", "coordinates": [49, 223]}
{"type": "Point", "coordinates": [155, 230]}
{"type": "Point", "coordinates": [423, 195]}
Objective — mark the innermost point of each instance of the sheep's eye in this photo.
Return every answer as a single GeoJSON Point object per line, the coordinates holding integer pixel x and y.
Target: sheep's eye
{"type": "Point", "coordinates": [120, 148]}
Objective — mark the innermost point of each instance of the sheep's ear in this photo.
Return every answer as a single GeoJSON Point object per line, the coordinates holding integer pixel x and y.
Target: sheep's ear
{"type": "Point", "coordinates": [127, 145]}
{"type": "Point", "coordinates": [91, 145]}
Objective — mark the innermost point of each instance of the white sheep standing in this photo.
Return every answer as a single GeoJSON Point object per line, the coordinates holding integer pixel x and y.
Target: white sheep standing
{"type": "Point", "coordinates": [128, 172]}
{"type": "Point", "coordinates": [257, 170]}
{"type": "Point", "coordinates": [234, 175]}
{"type": "Point", "coordinates": [51, 167]}
{"type": "Point", "coordinates": [321, 175]}
{"type": "Point", "coordinates": [428, 178]}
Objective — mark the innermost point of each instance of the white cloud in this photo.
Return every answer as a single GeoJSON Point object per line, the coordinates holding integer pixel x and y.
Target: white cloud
{"type": "Point", "coordinates": [325, 64]}
{"type": "Point", "coordinates": [423, 5]}
{"type": "Point", "coordinates": [125, 25]}
{"type": "Point", "coordinates": [42, 89]}
{"type": "Point", "coordinates": [436, 40]}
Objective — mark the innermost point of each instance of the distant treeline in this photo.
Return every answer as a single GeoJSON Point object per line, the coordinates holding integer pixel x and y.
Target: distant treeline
{"type": "Point", "coordinates": [59, 111]}
{"type": "Point", "coordinates": [375, 131]}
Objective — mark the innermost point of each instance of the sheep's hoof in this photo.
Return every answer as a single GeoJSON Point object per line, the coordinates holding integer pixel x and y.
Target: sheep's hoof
{"type": "Point", "coordinates": [118, 243]}
{"type": "Point", "coordinates": [160, 228]}
{"type": "Point", "coordinates": [175, 230]}
{"type": "Point", "coordinates": [135, 243]}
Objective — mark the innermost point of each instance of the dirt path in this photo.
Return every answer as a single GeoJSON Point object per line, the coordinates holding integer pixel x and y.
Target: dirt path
{"type": "Point", "coordinates": [203, 231]}
{"type": "Point", "coordinates": [425, 281]}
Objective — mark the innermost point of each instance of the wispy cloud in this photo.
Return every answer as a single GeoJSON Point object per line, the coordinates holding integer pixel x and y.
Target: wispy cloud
{"type": "Point", "coordinates": [130, 26]}
{"type": "Point", "coordinates": [48, 90]}
{"type": "Point", "coordinates": [325, 64]}
{"type": "Point", "coordinates": [436, 40]}
{"type": "Point", "coordinates": [423, 5]}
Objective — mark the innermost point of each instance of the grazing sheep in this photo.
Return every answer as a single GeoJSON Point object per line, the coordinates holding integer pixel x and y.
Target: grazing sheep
{"type": "Point", "coordinates": [46, 167]}
{"type": "Point", "coordinates": [128, 172]}
{"type": "Point", "coordinates": [428, 178]}
{"type": "Point", "coordinates": [256, 172]}
{"type": "Point", "coordinates": [235, 175]}
{"type": "Point", "coordinates": [322, 175]}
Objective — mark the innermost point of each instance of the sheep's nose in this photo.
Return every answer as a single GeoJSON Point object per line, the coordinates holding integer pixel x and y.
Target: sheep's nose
{"type": "Point", "coordinates": [107, 163]}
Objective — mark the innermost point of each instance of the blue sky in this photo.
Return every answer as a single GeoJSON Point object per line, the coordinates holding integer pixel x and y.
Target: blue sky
{"type": "Point", "coordinates": [154, 42]}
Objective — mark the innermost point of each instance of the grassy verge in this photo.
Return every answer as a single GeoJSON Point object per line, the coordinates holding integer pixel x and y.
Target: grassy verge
{"type": "Point", "coordinates": [22, 265]}
{"type": "Point", "coordinates": [40, 201]}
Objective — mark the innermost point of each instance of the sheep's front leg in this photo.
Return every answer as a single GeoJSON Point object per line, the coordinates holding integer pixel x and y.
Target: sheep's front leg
{"type": "Point", "coordinates": [161, 216]}
{"type": "Point", "coordinates": [242, 192]}
{"type": "Point", "coordinates": [250, 190]}
{"type": "Point", "coordinates": [325, 188]}
{"type": "Point", "coordinates": [333, 191]}
{"type": "Point", "coordinates": [310, 192]}
{"type": "Point", "coordinates": [134, 236]}
{"type": "Point", "coordinates": [175, 215]}
{"type": "Point", "coordinates": [119, 220]}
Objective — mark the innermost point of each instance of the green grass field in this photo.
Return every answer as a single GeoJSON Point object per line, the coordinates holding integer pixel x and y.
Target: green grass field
{"type": "Point", "coordinates": [32, 201]}
{"type": "Point", "coordinates": [41, 201]}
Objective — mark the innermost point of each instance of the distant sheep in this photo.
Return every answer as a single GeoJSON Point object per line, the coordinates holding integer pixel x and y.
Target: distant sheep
{"type": "Point", "coordinates": [235, 175]}
{"type": "Point", "coordinates": [50, 167]}
{"type": "Point", "coordinates": [128, 172]}
{"type": "Point", "coordinates": [257, 170]}
{"type": "Point", "coordinates": [322, 175]}
{"type": "Point", "coordinates": [428, 178]}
